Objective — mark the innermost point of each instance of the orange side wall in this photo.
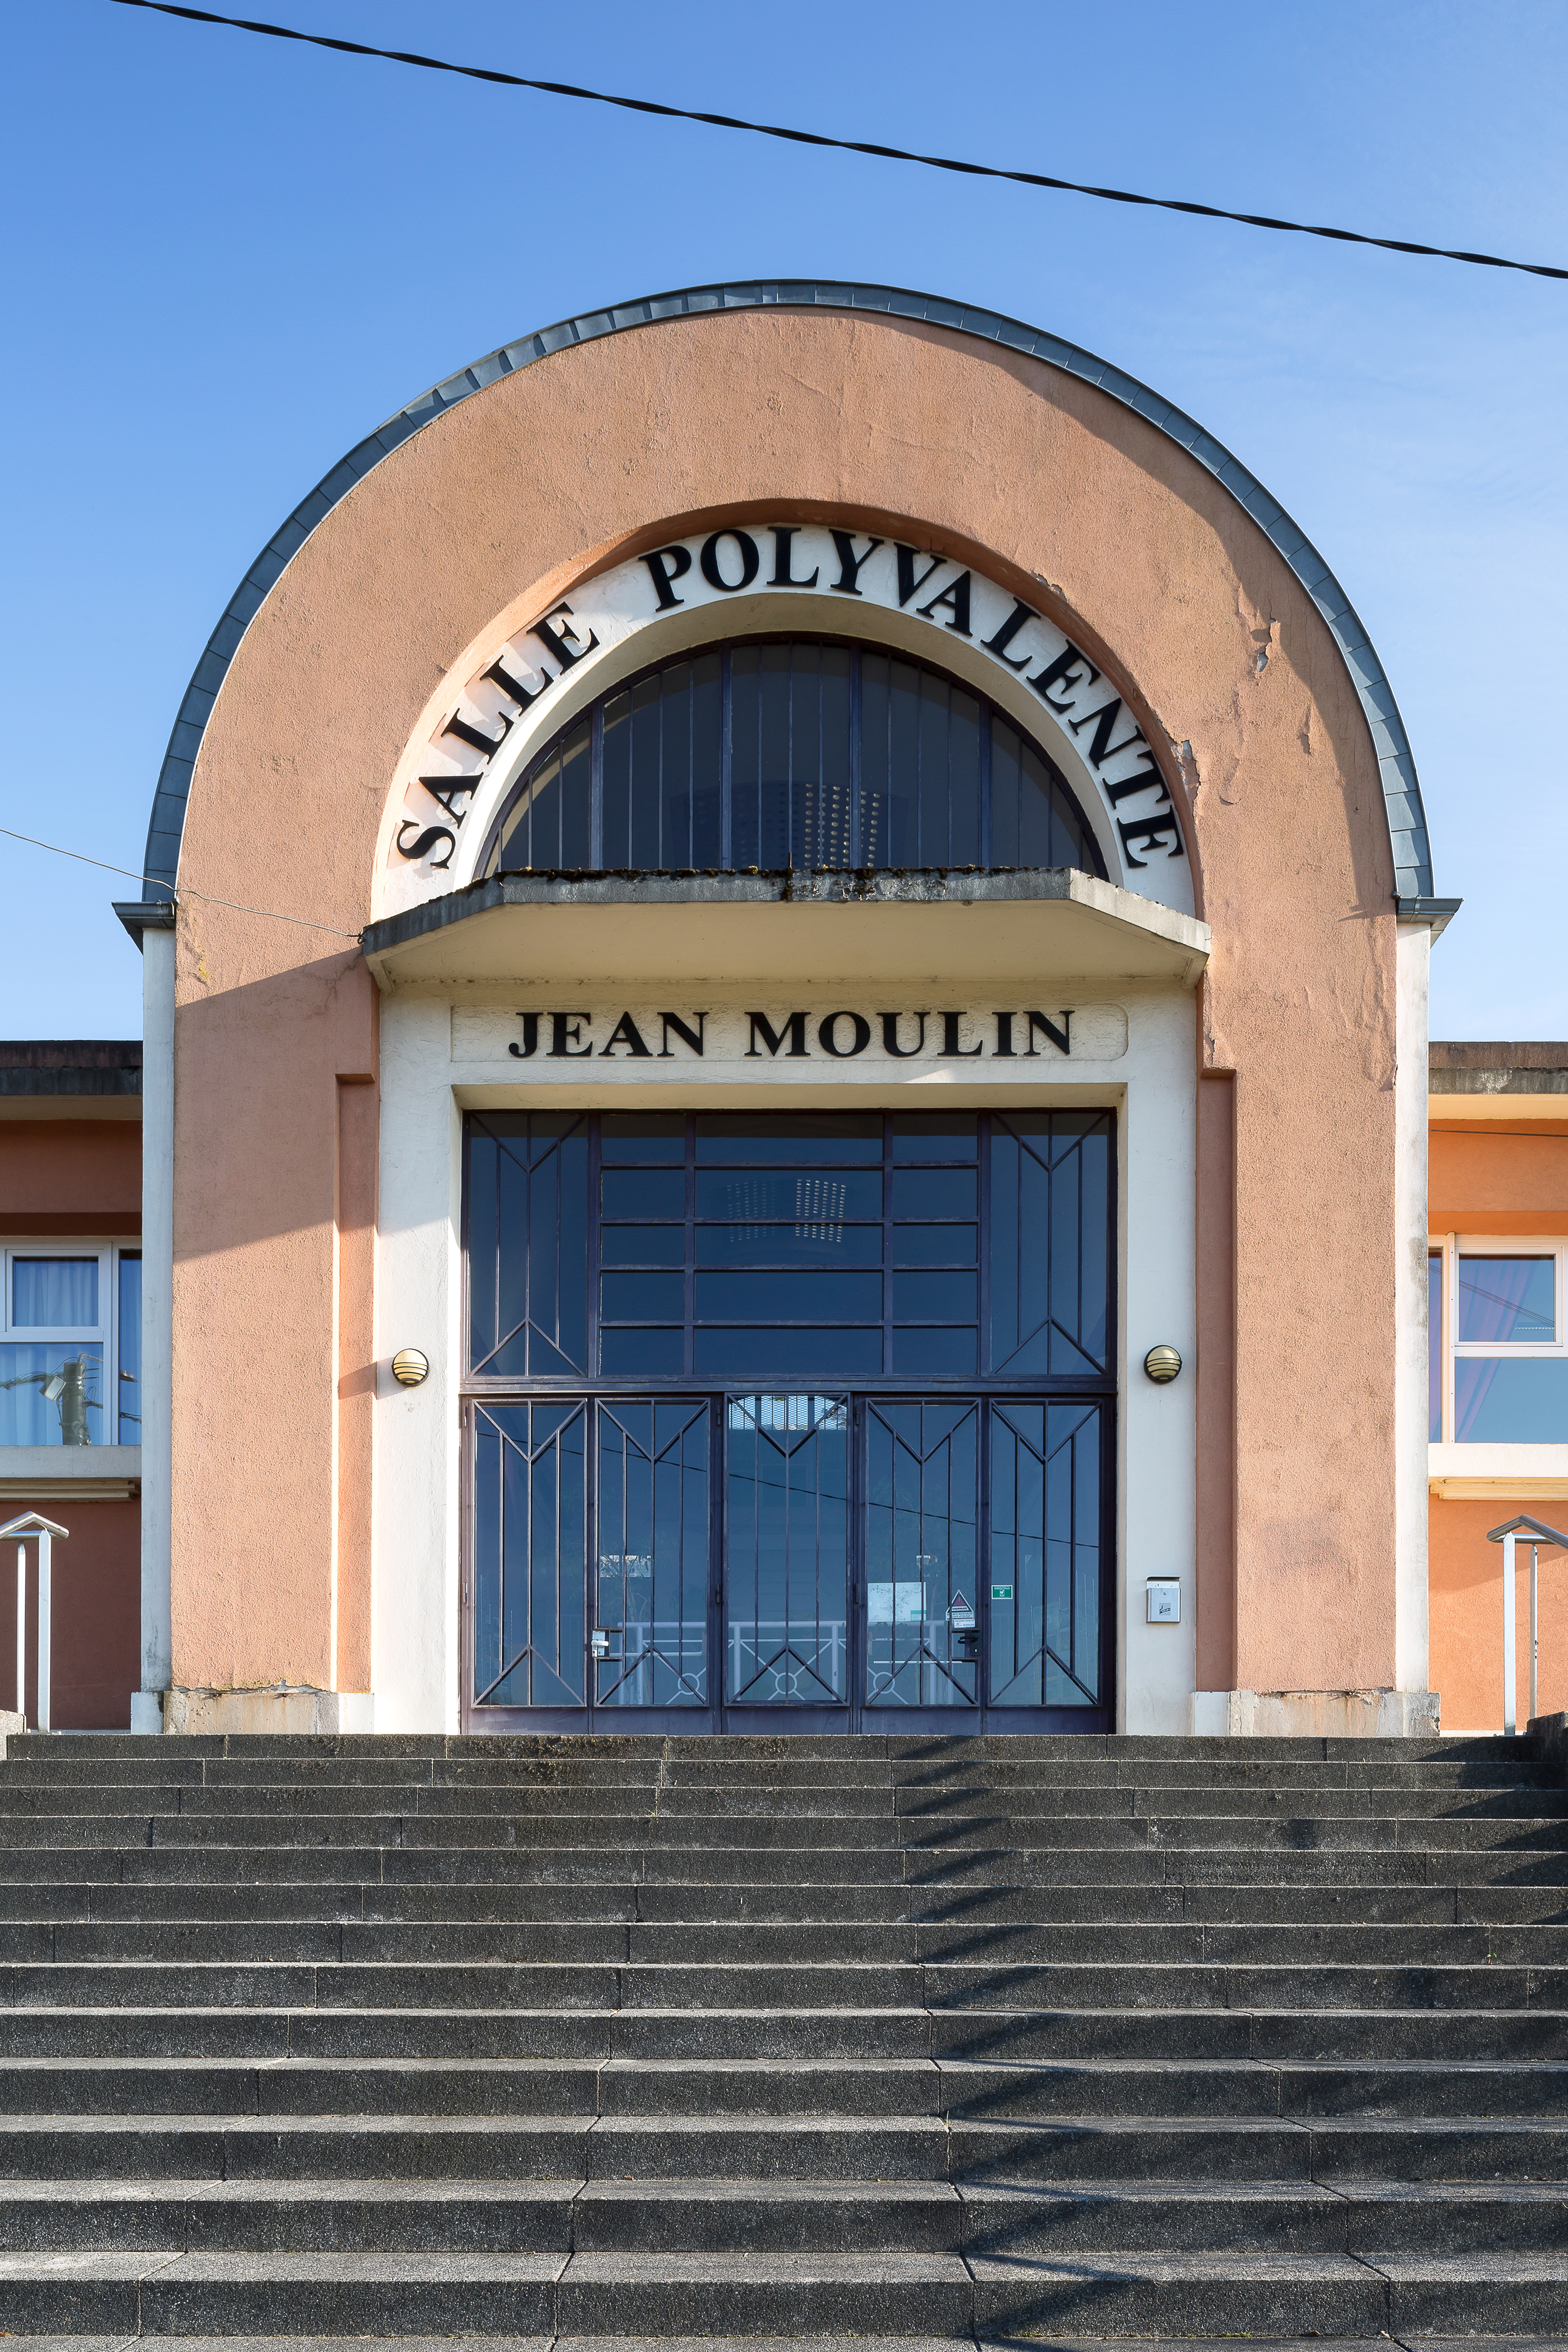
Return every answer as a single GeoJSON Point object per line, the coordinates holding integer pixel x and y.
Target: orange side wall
{"type": "Point", "coordinates": [1483, 1182]}
{"type": "Point", "coordinates": [95, 1651]}
{"type": "Point", "coordinates": [1487, 1179]}
{"type": "Point", "coordinates": [1465, 1587]}
{"type": "Point", "coordinates": [60, 1177]}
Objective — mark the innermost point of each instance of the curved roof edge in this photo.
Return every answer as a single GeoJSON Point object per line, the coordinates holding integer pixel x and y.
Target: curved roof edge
{"type": "Point", "coordinates": [1401, 791]}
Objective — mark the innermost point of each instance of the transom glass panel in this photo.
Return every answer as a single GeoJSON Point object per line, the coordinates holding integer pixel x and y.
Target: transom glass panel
{"type": "Point", "coordinates": [770, 753]}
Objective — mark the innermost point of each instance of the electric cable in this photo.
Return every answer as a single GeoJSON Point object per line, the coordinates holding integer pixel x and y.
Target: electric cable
{"type": "Point", "coordinates": [269, 913]}
{"type": "Point", "coordinates": [845, 146]}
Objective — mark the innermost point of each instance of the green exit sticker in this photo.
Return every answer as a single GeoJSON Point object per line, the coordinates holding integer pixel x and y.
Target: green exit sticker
{"type": "Point", "coordinates": [1000, 1592]}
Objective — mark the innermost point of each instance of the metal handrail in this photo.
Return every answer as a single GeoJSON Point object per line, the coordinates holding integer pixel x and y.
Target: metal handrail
{"type": "Point", "coordinates": [33, 1524]}
{"type": "Point", "coordinates": [1539, 1534]}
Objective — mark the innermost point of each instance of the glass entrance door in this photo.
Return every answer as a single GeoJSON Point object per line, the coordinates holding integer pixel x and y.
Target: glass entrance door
{"type": "Point", "coordinates": [915, 1533]}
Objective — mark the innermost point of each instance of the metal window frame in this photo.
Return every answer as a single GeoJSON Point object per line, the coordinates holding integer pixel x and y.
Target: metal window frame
{"type": "Point", "coordinates": [105, 1333]}
{"type": "Point", "coordinates": [985, 1389]}
{"type": "Point", "coordinates": [603, 859]}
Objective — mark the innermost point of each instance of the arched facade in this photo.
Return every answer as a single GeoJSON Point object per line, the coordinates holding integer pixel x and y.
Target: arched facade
{"type": "Point", "coordinates": [786, 1121]}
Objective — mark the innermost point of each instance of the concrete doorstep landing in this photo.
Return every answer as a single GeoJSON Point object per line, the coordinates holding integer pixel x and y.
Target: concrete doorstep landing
{"type": "Point", "coordinates": [574, 2042]}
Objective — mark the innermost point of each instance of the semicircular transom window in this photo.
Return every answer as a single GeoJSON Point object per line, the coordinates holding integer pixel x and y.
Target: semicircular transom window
{"type": "Point", "coordinates": [798, 751]}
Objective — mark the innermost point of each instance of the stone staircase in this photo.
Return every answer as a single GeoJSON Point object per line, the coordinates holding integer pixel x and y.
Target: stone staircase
{"type": "Point", "coordinates": [901, 2038]}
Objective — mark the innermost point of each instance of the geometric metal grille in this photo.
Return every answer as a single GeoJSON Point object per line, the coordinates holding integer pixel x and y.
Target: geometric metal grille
{"type": "Point", "coordinates": [528, 1246]}
{"type": "Point", "coordinates": [786, 1580]}
{"type": "Point", "coordinates": [1049, 1243]}
{"type": "Point", "coordinates": [652, 1519]}
{"type": "Point", "coordinates": [1045, 1646]}
{"type": "Point", "coordinates": [922, 1512]}
{"type": "Point", "coordinates": [530, 1554]}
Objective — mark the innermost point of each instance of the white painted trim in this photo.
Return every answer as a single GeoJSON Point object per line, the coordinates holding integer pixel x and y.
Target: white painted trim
{"type": "Point", "coordinates": [1411, 1647]}
{"type": "Point", "coordinates": [157, 1307]}
{"type": "Point", "coordinates": [620, 628]}
{"type": "Point", "coordinates": [415, 1595]}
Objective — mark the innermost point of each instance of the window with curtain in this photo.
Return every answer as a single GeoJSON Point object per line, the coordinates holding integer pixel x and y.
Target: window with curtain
{"type": "Point", "coordinates": [1496, 1329]}
{"type": "Point", "coordinates": [71, 1347]}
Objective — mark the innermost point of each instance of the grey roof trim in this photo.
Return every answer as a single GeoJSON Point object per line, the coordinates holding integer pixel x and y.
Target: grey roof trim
{"type": "Point", "coordinates": [140, 915]}
{"type": "Point", "coordinates": [1401, 791]}
{"type": "Point", "coordinates": [1500, 1081]}
{"type": "Point", "coordinates": [1438, 913]}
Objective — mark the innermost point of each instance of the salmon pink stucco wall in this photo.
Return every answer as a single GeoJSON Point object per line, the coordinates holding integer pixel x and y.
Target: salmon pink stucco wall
{"type": "Point", "coordinates": [1080, 505]}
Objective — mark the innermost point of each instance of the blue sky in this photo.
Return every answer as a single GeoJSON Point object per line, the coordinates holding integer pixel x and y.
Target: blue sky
{"type": "Point", "coordinates": [228, 258]}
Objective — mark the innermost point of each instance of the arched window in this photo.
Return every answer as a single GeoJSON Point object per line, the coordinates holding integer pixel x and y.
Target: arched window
{"type": "Point", "coordinates": [804, 752]}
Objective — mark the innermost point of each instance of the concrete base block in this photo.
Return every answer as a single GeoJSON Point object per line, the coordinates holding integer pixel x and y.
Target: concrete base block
{"type": "Point", "coordinates": [10, 1725]}
{"type": "Point", "coordinates": [1320, 1714]}
{"type": "Point", "coordinates": [277, 1707]}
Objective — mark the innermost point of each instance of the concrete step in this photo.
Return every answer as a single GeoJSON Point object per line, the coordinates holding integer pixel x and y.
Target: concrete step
{"type": "Point", "coordinates": [1000, 1985]}
{"type": "Point", "coordinates": [467, 1902]}
{"type": "Point", "coordinates": [889, 2038]}
{"type": "Point", "coordinates": [358, 2147]}
{"type": "Point", "coordinates": [73, 2216]}
{"type": "Point", "coordinates": [662, 2295]}
{"type": "Point", "coordinates": [752, 1944]}
{"type": "Point", "coordinates": [1003, 2037]}
{"type": "Point", "coordinates": [850, 2087]}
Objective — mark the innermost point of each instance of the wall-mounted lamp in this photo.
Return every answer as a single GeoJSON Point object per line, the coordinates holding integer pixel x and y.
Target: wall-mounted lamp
{"type": "Point", "coordinates": [409, 1367]}
{"type": "Point", "coordinates": [1162, 1364]}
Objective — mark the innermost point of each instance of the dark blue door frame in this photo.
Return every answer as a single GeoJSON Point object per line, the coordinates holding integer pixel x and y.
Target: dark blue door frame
{"type": "Point", "coordinates": [855, 1713]}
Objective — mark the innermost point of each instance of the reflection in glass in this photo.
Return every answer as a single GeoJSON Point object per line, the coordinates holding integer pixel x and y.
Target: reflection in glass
{"type": "Point", "coordinates": [756, 1296]}
{"type": "Point", "coordinates": [786, 1581]}
{"type": "Point", "coordinates": [528, 1242]}
{"type": "Point", "coordinates": [53, 1294]}
{"type": "Point", "coordinates": [818, 1205]}
{"type": "Point", "coordinates": [51, 1392]}
{"type": "Point", "coordinates": [663, 768]}
{"type": "Point", "coordinates": [805, 1141]}
{"type": "Point", "coordinates": [530, 1563]}
{"type": "Point", "coordinates": [547, 822]}
{"type": "Point", "coordinates": [1045, 1646]}
{"type": "Point", "coordinates": [1510, 1401]}
{"type": "Point", "coordinates": [643, 1138]}
{"type": "Point", "coordinates": [1508, 1301]}
{"type": "Point", "coordinates": [790, 757]}
{"type": "Point", "coordinates": [651, 1605]}
{"type": "Point", "coordinates": [922, 1502]}
{"type": "Point", "coordinates": [130, 1400]}
{"type": "Point", "coordinates": [813, 1242]}
{"type": "Point", "coordinates": [1050, 1242]}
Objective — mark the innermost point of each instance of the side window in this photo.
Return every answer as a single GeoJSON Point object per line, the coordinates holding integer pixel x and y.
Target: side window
{"type": "Point", "coordinates": [1505, 1335]}
{"type": "Point", "coordinates": [70, 1346]}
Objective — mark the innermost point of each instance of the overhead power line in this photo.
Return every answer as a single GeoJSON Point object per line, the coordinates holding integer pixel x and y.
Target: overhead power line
{"type": "Point", "coordinates": [845, 146]}
{"type": "Point", "coordinates": [270, 913]}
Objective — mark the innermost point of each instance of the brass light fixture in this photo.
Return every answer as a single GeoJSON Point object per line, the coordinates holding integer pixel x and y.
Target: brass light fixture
{"type": "Point", "coordinates": [409, 1367]}
{"type": "Point", "coordinates": [1162, 1364]}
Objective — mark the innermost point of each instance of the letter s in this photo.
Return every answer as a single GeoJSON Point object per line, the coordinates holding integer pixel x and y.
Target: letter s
{"type": "Point", "coordinates": [426, 843]}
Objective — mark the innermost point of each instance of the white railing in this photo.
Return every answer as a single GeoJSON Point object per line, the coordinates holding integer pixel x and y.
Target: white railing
{"type": "Point", "coordinates": [1535, 1534]}
{"type": "Point", "coordinates": [33, 1526]}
